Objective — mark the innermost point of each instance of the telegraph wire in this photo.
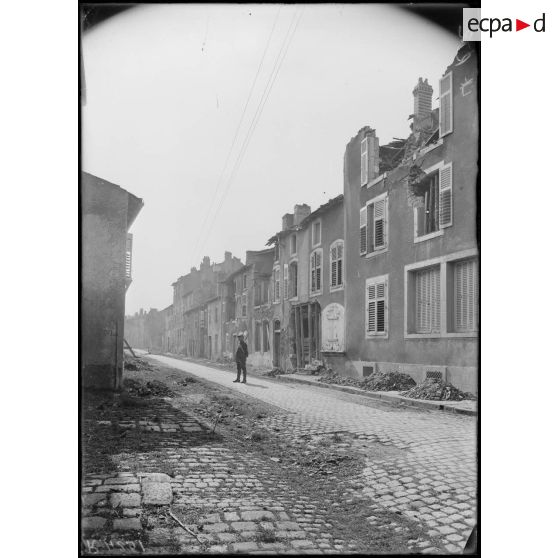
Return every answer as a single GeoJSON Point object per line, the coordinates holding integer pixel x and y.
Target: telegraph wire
{"type": "Point", "coordinates": [263, 100]}
{"type": "Point", "coordinates": [214, 195]}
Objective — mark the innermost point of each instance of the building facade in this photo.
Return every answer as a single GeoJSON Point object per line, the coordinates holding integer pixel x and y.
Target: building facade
{"type": "Point", "coordinates": [146, 330]}
{"type": "Point", "coordinates": [107, 213]}
{"type": "Point", "coordinates": [411, 239]}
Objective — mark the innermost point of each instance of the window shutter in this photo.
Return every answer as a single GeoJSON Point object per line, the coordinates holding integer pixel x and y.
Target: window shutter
{"type": "Point", "coordinates": [340, 264]}
{"type": "Point", "coordinates": [318, 271]}
{"type": "Point", "coordinates": [370, 220]}
{"type": "Point", "coordinates": [364, 161]}
{"type": "Point", "coordinates": [466, 296]}
{"type": "Point", "coordinates": [379, 224]}
{"type": "Point", "coordinates": [446, 196]}
{"type": "Point", "coordinates": [363, 219]}
{"type": "Point", "coordinates": [381, 307]}
{"type": "Point", "coordinates": [333, 263]}
{"type": "Point", "coordinates": [446, 105]}
{"type": "Point", "coordinates": [371, 308]}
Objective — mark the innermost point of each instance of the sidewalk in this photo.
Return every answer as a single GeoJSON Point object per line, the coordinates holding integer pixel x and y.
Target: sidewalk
{"type": "Point", "coordinates": [466, 407]}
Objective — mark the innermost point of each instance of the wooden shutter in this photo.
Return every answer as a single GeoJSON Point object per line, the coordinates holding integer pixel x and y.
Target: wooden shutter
{"type": "Point", "coordinates": [466, 296]}
{"type": "Point", "coordinates": [446, 105]}
{"type": "Point", "coordinates": [446, 196]}
{"type": "Point", "coordinates": [318, 271]}
{"type": "Point", "coordinates": [339, 264]}
{"type": "Point", "coordinates": [370, 221]}
{"type": "Point", "coordinates": [381, 289]}
{"type": "Point", "coordinates": [364, 162]}
{"type": "Point", "coordinates": [371, 303]}
{"type": "Point", "coordinates": [333, 265]}
{"type": "Point", "coordinates": [379, 224]}
{"type": "Point", "coordinates": [363, 236]}
{"type": "Point", "coordinates": [427, 301]}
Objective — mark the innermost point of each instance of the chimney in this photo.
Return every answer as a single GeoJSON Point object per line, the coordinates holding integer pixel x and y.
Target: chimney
{"type": "Point", "coordinates": [301, 212]}
{"type": "Point", "coordinates": [423, 102]}
{"type": "Point", "coordinates": [373, 150]}
{"type": "Point", "coordinates": [287, 221]}
{"type": "Point", "coordinates": [228, 256]}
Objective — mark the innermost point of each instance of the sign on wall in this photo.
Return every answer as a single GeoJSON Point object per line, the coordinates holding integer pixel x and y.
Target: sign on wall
{"type": "Point", "coordinates": [333, 328]}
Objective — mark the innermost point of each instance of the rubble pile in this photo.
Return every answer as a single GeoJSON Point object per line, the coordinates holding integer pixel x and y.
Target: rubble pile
{"type": "Point", "coordinates": [272, 373]}
{"type": "Point", "coordinates": [154, 388]}
{"type": "Point", "coordinates": [388, 381]}
{"type": "Point", "coordinates": [437, 390]}
{"type": "Point", "coordinates": [136, 363]}
{"type": "Point", "coordinates": [333, 378]}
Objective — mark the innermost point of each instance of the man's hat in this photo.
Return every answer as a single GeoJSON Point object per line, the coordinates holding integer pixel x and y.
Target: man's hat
{"type": "Point", "coordinates": [241, 335]}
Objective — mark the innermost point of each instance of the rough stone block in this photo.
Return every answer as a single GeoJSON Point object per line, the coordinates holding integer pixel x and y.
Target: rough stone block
{"type": "Point", "coordinates": [125, 500]}
{"type": "Point", "coordinates": [93, 523]}
{"type": "Point", "coordinates": [157, 493]}
{"type": "Point", "coordinates": [257, 515]}
{"type": "Point", "coordinates": [131, 524]}
{"type": "Point", "coordinates": [244, 546]}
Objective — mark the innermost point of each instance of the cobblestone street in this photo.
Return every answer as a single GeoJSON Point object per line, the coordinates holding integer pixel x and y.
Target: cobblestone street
{"type": "Point", "coordinates": [405, 479]}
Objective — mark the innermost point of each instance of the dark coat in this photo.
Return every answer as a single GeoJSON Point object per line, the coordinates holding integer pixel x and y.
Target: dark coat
{"type": "Point", "coordinates": [242, 352]}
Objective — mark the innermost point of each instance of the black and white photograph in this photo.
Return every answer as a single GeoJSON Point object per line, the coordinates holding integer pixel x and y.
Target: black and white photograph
{"type": "Point", "coordinates": [279, 279]}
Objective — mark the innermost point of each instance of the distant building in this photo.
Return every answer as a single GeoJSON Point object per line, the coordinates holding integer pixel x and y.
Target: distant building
{"type": "Point", "coordinates": [107, 212]}
{"type": "Point", "coordinates": [411, 251]}
{"type": "Point", "coordinates": [145, 330]}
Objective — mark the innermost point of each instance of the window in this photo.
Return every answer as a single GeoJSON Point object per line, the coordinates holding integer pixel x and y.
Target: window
{"type": "Point", "coordinates": [293, 245]}
{"type": "Point", "coordinates": [293, 279]}
{"type": "Point", "coordinates": [446, 104]}
{"type": "Point", "coordinates": [216, 314]}
{"type": "Point", "coordinates": [316, 233]}
{"type": "Point", "coordinates": [436, 211]}
{"type": "Point", "coordinates": [285, 281]}
{"type": "Point", "coordinates": [265, 331]}
{"type": "Point", "coordinates": [244, 304]}
{"type": "Point", "coordinates": [265, 289]}
{"type": "Point", "coordinates": [465, 296]}
{"type": "Point", "coordinates": [244, 281]}
{"type": "Point", "coordinates": [373, 225]}
{"type": "Point", "coordinates": [257, 335]}
{"type": "Point", "coordinates": [427, 300]}
{"type": "Point", "coordinates": [316, 271]}
{"type": "Point", "coordinates": [336, 264]}
{"type": "Point", "coordinates": [376, 306]}
{"type": "Point", "coordinates": [364, 162]}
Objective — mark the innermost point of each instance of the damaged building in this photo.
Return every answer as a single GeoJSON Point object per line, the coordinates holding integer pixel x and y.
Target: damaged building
{"type": "Point", "coordinates": [411, 242]}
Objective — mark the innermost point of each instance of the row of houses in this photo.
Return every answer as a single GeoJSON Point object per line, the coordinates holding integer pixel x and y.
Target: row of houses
{"type": "Point", "coordinates": [382, 277]}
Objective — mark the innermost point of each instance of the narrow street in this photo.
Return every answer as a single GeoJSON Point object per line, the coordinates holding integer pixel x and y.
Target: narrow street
{"type": "Point", "coordinates": [272, 467]}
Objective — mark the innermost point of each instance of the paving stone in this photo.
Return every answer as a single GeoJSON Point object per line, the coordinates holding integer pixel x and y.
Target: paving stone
{"type": "Point", "coordinates": [226, 537]}
{"type": "Point", "coordinates": [244, 526]}
{"type": "Point", "coordinates": [125, 500]}
{"type": "Point", "coordinates": [216, 528]}
{"type": "Point", "coordinates": [131, 524]}
{"type": "Point", "coordinates": [93, 523]}
{"type": "Point", "coordinates": [287, 525]}
{"type": "Point", "coordinates": [244, 546]}
{"type": "Point", "coordinates": [91, 499]}
{"type": "Point", "coordinates": [302, 544]}
{"type": "Point", "coordinates": [231, 516]}
{"type": "Point", "coordinates": [156, 493]}
{"type": "Point", "coordinates": [154, 477]}
{"type": "Point", "coordinates": [257, 515]}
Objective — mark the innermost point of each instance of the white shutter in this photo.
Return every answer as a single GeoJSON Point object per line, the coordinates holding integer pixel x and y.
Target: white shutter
{"type": "Point", "coordinates": [446, 196]}
{"type": "Point", "coordinates": [364, 162]}
{"type": "Point", "coordinates": [363, 218]}
{"type": "Point", "coordinates": [379, 224]}
{"type": "Point", "coordinates": [466, 296]}
{"type": "Point", "coordinates": [435, 300]}
{"type": "Point", "coordinates": [446, 105]}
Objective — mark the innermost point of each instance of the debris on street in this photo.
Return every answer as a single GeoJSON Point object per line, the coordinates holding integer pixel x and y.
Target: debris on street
{"type": "Point", "coordinates": [378, 381]}
{"type": "Point", "coordinates": [150, 388]}
{"type": "Point", "coordinates": [136, 363]}
{"type": "Point", "coordinates": [438, 390]}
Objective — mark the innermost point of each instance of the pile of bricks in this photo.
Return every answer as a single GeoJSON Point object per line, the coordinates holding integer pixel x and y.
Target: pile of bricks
{"type": "Point", "coordinates": [437, 390]}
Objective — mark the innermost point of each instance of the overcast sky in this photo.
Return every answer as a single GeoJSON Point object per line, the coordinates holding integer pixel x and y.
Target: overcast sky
{"type": "Point", "coordinates": [166, 89]}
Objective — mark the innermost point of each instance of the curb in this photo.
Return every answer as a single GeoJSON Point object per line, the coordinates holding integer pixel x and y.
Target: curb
{"type": "Point", "coordinates": [382, 396]}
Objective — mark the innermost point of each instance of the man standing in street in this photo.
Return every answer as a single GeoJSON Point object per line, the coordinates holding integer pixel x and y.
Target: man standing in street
{"type": "Point", "coordinates": [241, 355]}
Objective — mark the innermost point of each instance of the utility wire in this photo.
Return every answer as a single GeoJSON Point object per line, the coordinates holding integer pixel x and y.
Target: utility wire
{"type": "Point", "coordinates": [214, 196]}
{"type": "Point", "coordinates": [263, 100]}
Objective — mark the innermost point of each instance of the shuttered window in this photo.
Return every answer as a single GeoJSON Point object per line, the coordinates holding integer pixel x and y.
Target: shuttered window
{"type": "Point", "coordinates": [466, 292]}
{"type": "Point", "coordinates": [364, 162]}
{"type": "Point", "coordinates": [446, 105]}
{"type": "Point", "coordinates": [427, 300]}
{"type": "Point", "coordinates": [446, 195]}
{"type": "Point", "coordinates": [376, 306]}
{"type": "Point", "coordinates": [373, 226]}
{"type": "Point", "coordinates": [363, 221]}
{"type": "Point", "coordinates": [336, 264]}
{"type": "Point", "coordinates": [316, 271]}
{"type": "Point", "coordinates": [293, 279]}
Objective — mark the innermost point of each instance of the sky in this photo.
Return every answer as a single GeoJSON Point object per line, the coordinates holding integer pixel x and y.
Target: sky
{"type": "Point", "coordinates": [223, 117]}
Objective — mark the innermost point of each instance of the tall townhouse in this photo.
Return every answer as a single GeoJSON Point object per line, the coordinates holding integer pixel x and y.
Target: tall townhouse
{"type": "Point", "coordinates": [248, 310]}
{"type": "Point", "coordinates": [410, 238]}
{"type": "Point", "coordinates": [308, 285]}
